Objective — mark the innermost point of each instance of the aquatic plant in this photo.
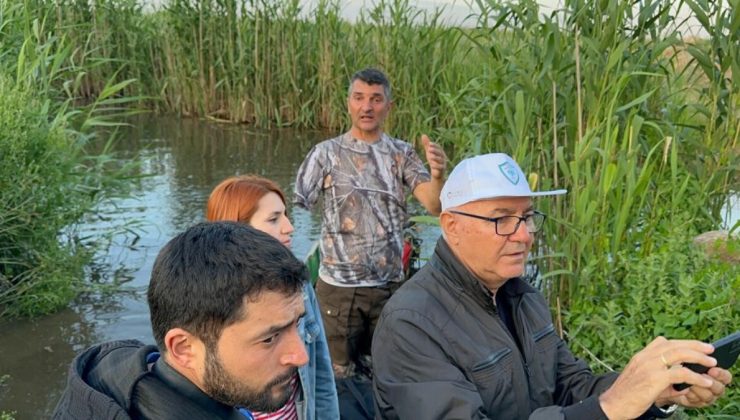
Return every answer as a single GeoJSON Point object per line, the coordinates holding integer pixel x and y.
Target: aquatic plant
{"type": "Point", "coordinates": [599, 98]}
{"type": "Point", "coordinates": [47, 180]}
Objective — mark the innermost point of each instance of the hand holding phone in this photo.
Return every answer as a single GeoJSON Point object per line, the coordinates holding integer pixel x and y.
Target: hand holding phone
{"type": "Point", "coordinates": [726, 351]}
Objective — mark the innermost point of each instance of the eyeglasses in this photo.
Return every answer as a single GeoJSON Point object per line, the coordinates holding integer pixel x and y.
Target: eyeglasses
{"type": "Point", "coordinates": [508, 225]}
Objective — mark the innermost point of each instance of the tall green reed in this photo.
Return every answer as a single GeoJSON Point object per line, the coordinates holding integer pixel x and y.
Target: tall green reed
{"type": "Point", "coordinates": [593, 98]}
{"type": "Point", "coordinates": [48, 180]}
{"type": "Point", "coordinates": [607, 100]}
{"type": "Point", "coordinates": [264, 63]}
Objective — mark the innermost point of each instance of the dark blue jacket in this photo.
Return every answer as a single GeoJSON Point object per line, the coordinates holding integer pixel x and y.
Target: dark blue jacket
{"type": "Point", "coordinates": [118, 380]}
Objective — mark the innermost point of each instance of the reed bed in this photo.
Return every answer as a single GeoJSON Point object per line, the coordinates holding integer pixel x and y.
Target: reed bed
{"type": "Point", "coordinates": [50, 106]}
{"type": "Point", "coordinates": [263, 63]}
{"type": "Point", "coordinates": [634, 135]}
{"type": "Point", "coordinates": [603, 98]}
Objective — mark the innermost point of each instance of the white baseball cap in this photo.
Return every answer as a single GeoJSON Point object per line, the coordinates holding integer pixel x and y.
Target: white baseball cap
{"type": "Point", "coordinates": [487, 176]}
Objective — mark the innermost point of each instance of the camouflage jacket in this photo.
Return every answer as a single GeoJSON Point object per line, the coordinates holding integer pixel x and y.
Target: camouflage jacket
{"type": "Point", "coordinates": [364, 188]}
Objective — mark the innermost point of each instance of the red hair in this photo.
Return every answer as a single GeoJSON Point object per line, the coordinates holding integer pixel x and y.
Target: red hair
{"type": "Point", "coordinates": [235, 199]}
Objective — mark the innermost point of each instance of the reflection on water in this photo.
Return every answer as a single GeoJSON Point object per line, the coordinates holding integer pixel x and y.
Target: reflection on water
{"type": "Point", "coordinates": [181, 161]}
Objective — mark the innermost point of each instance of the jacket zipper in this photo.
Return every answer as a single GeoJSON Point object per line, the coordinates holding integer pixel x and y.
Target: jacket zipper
{"type": "Point", "coordinates": [515, 314]}
{"type": "Point", "coordinates": [511, 337]}
{"type": "Point", "coordinates": [491, 360]}
{"type": "Point", "coordinates": [522, 403]}
{"type": "Point", "coordinates": [540, 334]}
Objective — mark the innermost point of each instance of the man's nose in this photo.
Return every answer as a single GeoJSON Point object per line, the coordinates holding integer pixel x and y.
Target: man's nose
{"type": "Point", "coordinates": [521, 234]}
{"type": "Point", "coordinates": [296, 354]}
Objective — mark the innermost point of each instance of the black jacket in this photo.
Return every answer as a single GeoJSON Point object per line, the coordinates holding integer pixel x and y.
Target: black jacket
{"type": "Point", "coordinates": [115, 380]}
{"type": "Point", "coordinates": [441, 351]}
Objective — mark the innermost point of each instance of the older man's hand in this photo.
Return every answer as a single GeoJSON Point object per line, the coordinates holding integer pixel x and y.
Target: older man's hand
{"type": "Point", "coordinates": [699, 396]}
{"type": "Point", "coordinates": [650, 374]}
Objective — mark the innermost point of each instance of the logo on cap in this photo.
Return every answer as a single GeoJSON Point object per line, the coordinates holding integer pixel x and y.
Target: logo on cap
{"type": "Point", "coordinates": [509, 172]}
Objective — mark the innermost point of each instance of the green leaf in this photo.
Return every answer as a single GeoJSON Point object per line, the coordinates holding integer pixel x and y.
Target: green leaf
{"type": "Point", "coordinates": [700, 15]}
{"type": "Point", "coordinates": [642, 98]}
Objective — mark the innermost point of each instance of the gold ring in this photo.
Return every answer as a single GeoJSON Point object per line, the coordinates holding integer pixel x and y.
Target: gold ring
{"type": "Point", "coordinates": [667, 365]}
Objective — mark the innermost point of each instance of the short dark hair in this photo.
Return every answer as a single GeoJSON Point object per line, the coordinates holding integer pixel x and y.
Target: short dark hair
{"type": "Point", "coordinates": [202, 276]}
{"type": "Point", "coordinates": [371, 76]}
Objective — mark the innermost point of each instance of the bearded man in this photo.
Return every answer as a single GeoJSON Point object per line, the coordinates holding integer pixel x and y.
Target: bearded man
{"type": "Point", "coordinates": [226, 305]}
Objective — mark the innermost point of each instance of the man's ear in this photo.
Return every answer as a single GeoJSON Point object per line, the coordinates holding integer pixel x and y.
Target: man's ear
{"type": "Point", "coordinates": [184, 350]}
{"type": "Point", "coordinates": [450, 227]}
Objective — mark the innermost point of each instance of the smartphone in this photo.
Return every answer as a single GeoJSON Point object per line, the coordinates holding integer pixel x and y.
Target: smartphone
{"type": "Point", "coordinates": [726, 351]}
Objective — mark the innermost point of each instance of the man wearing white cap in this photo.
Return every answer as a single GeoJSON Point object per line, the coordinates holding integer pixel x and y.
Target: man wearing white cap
{"type": "Point", "coordinates": [467, 338]}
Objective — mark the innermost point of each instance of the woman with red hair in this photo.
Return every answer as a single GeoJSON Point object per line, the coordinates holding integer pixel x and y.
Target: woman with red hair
{"type": "Point", "coordinates": [260, 203]}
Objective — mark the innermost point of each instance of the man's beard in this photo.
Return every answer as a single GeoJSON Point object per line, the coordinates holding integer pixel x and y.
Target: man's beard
{"type": "Point", "coordinates": [226, 389]}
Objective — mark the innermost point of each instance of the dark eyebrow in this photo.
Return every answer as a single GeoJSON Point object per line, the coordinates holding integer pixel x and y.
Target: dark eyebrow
{"type": "Point", "coordinates": [281, 327]}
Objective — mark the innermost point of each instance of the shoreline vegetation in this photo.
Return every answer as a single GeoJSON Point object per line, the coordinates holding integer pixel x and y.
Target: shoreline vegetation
{"type": "Point", "coordinates": [602, 98]}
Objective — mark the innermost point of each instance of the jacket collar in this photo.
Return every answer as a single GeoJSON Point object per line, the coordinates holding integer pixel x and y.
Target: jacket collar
{"type": "Point", "coordinates": [446, 261]}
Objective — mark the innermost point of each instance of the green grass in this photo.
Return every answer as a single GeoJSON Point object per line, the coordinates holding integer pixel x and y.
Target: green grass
{"type": "Point", "coordinates": [676, 292]}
